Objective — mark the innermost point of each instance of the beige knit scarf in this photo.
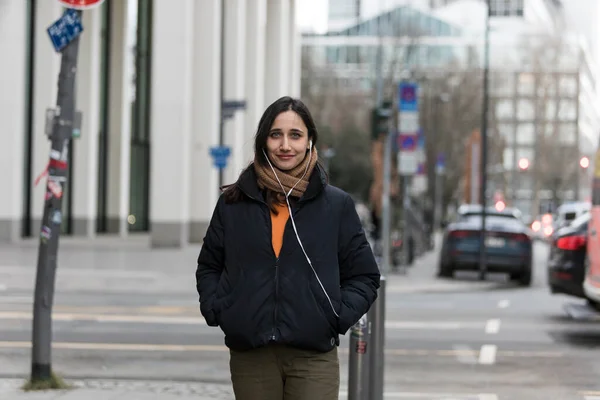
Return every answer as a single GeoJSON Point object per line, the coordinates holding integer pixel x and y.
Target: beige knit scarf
{"type": "Point", "coordinates": [266, 178]}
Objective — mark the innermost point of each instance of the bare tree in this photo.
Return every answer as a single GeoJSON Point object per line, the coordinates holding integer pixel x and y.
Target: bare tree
{"type": "Point", "coordinates": [553, 61]}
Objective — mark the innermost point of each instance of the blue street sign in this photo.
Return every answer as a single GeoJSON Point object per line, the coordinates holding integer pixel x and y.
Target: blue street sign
{"type": "Point", "coordinates": [407, 142]}
{"type": "Point", "coordinates": [234, 104]}
{"type": "Point", "coordinates": [64, 30]}
{"type": "Point", "coordinates": [228, 108]}
{"type": "Point", "coordinates": [220, 155]}
{"type": "Point", "coordinates": [407, 96]}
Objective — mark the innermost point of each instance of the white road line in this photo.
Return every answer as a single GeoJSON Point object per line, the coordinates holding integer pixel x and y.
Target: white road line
{"type": "Point", "coordinates": [420, 395]}
{"type": "Point", "coordinates": [464, 354]}
{"type": "Point", "coordinates": [503, 303]}
{"type": "Point", "coordinates": [198, 320]}
{"type": "Point", "coordinates": [492, 327]}
{"type": "Point", "coordinates": [488, 396]}
{"type": "Point", "coordinates": [487, 354]}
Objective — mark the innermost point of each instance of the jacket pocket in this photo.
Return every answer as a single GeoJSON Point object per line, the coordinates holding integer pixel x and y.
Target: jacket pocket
{"type": "Point", "coordinates": [227, 298]}
{"type": "Point", "coordinates": [323, 307]}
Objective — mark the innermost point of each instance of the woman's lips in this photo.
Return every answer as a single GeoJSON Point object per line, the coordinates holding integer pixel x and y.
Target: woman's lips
{"type": "Point", "coordinates": [285, 156]}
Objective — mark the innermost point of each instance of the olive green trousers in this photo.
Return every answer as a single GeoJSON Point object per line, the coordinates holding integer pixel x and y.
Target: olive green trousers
{"type": "Point", "coordinates": [279, 372]}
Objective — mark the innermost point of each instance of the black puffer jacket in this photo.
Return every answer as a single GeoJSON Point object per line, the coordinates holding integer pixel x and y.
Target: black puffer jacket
{"type": "Point", "coordinates": [257, 298]}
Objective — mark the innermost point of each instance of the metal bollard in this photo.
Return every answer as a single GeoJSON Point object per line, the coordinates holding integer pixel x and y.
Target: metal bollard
{"type": "Point", "coordinates": [358, 363]}
{"type": "Point", "coordinates": [376, 317]}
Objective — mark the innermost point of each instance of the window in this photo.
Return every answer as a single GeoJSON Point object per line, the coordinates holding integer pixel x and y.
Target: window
{"type": "Point", "coordinates": [567, 110]}
{"type": "Point", "coordinates": [525, 110]}
{"type": "Point", "coordinates": [342, 9]}
{"type": "Point", "coordinates": [506, 132]}
{"type": "Point", "coordinates": [506, 8]}
{"type": "Point", "coordinates": [526, 84]}
{"type": "Point", "coordinates": [568, 86]}
{"type": "Point", "coordinates": [504, 109]}
{"type": "Point", "coordinates": [525, 134]}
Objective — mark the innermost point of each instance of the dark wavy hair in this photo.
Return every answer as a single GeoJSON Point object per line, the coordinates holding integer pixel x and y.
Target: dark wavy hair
{"type": "Point", "coordinates": [233, 193]}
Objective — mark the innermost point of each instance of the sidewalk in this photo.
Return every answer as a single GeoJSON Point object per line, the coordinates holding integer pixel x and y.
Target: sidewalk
{"type": "Point", "coordinates": [113, 265]}
{"type": "Point", "coordinates": [120, 390]}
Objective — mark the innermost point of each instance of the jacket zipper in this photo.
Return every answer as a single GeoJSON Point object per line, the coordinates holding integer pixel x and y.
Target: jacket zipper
{"type": "Point", "coordinates": [274, 332]}
{"type": "Point", "coordinates": [276, 308]}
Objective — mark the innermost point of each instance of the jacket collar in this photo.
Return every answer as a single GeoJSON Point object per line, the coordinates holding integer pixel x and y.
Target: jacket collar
{"type": "Point", "coordinates": [248, 184]}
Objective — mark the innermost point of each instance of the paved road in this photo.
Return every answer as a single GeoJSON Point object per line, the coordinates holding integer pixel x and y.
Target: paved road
{"type": "Point", "coordinates": [136, 318]}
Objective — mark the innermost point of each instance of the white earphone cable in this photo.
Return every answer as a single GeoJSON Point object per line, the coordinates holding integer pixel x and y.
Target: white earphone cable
{"type": "Point", "coordinates": [294, 223]}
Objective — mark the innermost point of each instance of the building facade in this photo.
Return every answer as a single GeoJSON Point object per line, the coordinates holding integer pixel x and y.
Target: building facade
{"type": "Point", "coordinates": [149, 86]}
{"type": "Point", "coordinates": [410, 38]}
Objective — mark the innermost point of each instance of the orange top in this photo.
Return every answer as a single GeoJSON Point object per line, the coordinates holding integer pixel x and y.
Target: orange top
{"type": "Point", "coordinates": [278, 226]}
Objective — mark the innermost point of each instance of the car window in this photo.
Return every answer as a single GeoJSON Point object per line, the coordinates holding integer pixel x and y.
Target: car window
{"type": "Point", "coordinates": [581, 221]}
{"type": "Point", "coordinates": [570, 216]}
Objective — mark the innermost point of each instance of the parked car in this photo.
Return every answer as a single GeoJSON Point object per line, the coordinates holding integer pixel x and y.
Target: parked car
{"type": "Point", "coordinates": [566, 262]}
{"type": "Point", "coordinates": [568, 212]}
{"type": "Point", "coordinates": [508, 245]}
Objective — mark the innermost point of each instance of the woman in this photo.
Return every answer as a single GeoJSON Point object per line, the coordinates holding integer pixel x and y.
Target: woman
{"type": "Point", "coordinates": [285, 266]}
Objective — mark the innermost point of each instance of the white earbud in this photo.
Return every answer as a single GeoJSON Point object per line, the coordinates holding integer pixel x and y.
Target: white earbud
{"type": "Point", "coordinates": [310, 144]}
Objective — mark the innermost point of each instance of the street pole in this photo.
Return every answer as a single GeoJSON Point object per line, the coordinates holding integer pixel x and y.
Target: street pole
{"type": "Point", "coordinates": [222, 89]}
{"type": "Point", "coordinates": [358, 366]}
{"type": "Point", "coordinates": [60, 137]}
{"type": "Point", "coordinates": [484, 147]}
{"type": "Point", "coordinates": [376, 314]}
{"type": "Point", "coordinates": [437, 211]}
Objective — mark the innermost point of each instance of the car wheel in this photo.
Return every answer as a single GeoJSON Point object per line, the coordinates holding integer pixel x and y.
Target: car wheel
{"type": "Point", "coordinates": [445, 270]}
{"type": "Point", "coordinates": [525, 277]}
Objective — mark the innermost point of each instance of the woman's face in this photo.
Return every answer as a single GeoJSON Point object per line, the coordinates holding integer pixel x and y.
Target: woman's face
{"type": "Point", "coordinates": [288, 141]}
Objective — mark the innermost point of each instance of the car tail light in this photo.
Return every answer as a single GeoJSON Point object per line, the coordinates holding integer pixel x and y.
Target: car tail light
{"type": "Point", "coordinates": [571, 242]}
{"type": "Point", "coordinates": [461, 234]}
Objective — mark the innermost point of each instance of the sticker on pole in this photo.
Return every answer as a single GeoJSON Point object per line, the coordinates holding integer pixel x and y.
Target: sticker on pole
{"type": "Point", "coordinates": [80, 4]}
{"type": "Point", "coordinates": [64, 30]}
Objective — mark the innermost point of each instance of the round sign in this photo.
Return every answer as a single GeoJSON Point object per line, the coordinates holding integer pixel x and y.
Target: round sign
{"type": "Point", "coordinates": [80, 4]}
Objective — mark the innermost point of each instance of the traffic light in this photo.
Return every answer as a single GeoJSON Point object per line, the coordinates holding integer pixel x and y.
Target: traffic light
{"type": "Point", "coordinates": [380, 119]}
